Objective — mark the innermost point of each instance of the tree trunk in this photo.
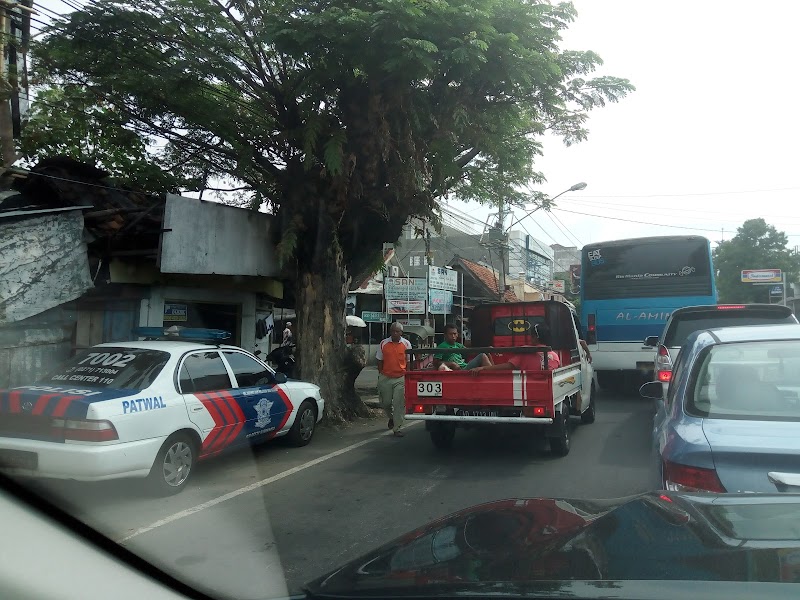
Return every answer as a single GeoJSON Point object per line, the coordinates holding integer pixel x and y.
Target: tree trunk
{"type": "Point", "coordinates": [321, 350]}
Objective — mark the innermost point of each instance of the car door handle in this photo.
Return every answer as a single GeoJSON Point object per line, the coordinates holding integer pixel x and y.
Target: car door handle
{"type": "Point", "coordinates": [198, 408]}
{"type": "Point", "coordinates": [784, 479]}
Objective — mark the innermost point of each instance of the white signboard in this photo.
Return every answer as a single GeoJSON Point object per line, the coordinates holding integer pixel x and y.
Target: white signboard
{"type": "Point", "coordinates": [440, 278]}
{"type": "Point", "coordinates": [558, 285]}
{"type": "Point", "coordinates": [762, 276]}
{"type": "Point", "coordinates": [406, 288]}
{"type": "Point", "coordinates": [441, 302]}
{"type": "Point", "coordinates": [402, 307]}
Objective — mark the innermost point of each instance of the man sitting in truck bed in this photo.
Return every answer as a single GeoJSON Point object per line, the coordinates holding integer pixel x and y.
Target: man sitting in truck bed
{"type": "Point", "coordinates": [538, 336]}
{"type": "Point", "coordinates": [455, 361]}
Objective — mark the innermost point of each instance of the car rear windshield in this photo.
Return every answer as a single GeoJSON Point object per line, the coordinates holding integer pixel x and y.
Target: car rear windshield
{"type": "Point", "coordinates": [748, 380]}
{"type": "Point", "coordinates": [124, 368]}
{"type": "Point", "coordinates": [682, 326]}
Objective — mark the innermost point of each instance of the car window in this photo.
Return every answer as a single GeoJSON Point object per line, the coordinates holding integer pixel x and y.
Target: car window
{"type": "Point", "coordinates": [683, 326]}
{"type": "Point", "coordinates": [753, 380]}
{"type": "Point", "coordinates": [248, 371]}
{"type": "Point", "coordinates": [124, 368]}
{"type": "Point", "coordinates": [677, 371]}
{"type": "Point", "coordinates": [204, 372]}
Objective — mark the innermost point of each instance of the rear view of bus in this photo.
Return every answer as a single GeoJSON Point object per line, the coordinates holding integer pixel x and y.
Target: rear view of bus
{"type": "Point", "coordinates": [629, 288]}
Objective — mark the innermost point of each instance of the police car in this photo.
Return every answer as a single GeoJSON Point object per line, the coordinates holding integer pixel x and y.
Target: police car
{"type": "Point", "coordinates": [152, 409]}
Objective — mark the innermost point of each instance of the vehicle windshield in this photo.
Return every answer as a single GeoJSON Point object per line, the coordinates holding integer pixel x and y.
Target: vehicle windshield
{"type": "Point", "coordinates": [750, 381]}
{"type": "Point", "coordinates": [682, 326]}
{"type": "Point", "coordinates": [289, 206]}
{"type": "Point", "coordinates": [115, 367]}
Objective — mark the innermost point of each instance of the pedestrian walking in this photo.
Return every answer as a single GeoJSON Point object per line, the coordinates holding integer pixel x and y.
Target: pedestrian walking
{"type": "Point", "coordinates": [288, 336]}
{"type": "Point", "coordinates": [391, 357]}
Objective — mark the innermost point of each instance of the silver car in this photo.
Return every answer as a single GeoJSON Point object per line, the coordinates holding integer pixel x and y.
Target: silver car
{"type": "Point", "coordinates": [730, 421]}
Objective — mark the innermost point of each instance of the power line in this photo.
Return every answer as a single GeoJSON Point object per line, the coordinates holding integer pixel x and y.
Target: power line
{"type": "Point", "coordinates": [552, 220]}
{"type": "Point", "coordinates": [632, 221]}
{"type": "Point", "coordinates": [696, 193]}
{"type": "Point", "coordinates": [575, 239]}
{"type": "Point", "coordinates": [663, 210]}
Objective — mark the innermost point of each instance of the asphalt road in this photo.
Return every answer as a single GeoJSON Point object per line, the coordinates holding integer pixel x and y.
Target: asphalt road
{"type": "Point", "coordinates": [260, 523]}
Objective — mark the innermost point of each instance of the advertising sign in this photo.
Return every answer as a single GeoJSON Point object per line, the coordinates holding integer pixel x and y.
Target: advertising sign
{"type": "Point", "coordinates": [776, 290]}
{"type": "Point", "coordinates": [558, 285]}
{"type": "Point", "coordinates": [406, 288]}
{"type": "Point", "coordinates": [402, 307]}
{"type": "Point", "coordinates": [441, 302]}
{"type": "Point", "coordinates": [374, 317]}
{"type": "Point", "coordinates": [440, 278]}
{"type": "Point", "coordinates": [175, 313]}
{"type": "Point", "coordinates": [762, 276]}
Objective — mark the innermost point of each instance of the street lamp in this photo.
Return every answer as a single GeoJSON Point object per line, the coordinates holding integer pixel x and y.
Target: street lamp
{"type": "Point", "coordinates": [504, 244]}
{"type": "Point", "coordinates": [575, 188]}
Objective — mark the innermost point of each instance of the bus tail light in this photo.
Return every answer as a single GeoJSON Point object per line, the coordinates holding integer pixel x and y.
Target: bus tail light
{"type": "Point", "coordinates": [591, 334]}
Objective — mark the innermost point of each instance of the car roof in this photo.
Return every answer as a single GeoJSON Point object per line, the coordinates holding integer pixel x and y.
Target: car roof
{"type": "Point", "coordinates": [166, 345]}
{"type": "Point", "coordinates": [755, 333]}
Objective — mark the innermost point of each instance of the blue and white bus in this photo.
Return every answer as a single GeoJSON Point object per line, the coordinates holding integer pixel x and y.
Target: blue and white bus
{"type": "Point", "coordinates": [629, 288]}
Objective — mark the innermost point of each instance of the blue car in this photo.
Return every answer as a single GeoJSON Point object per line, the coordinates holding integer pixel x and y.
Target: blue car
{"type": "Point", "coordinates": [730, 421]}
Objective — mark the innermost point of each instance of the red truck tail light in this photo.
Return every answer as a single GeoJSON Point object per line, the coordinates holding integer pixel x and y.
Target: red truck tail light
{"type": "Point", "coordinates": [534, 411]}
{"type": "Point", "coordinates": [538, 411]}
{"type": "Point", "coordinates": [663, 364]}
{"type": "Point", "coordinates": [683, 478]}
{"type": "Point", "coordinates": [419, 409]}
{"type": "Point", "coordinates": [591, 334]}
{"type": "Point", "coordinates": [665, 376]}
{"type": "Point", "coordinates": [86, 430]}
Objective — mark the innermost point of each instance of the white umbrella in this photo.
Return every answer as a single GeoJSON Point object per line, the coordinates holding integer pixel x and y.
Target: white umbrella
{"type": "Point", "coordinates": [354, 321]}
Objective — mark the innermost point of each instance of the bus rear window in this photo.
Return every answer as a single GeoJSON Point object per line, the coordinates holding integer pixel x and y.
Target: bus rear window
{"type": "Point", "coordinates": [123, 368]}
{"type": "Point", "coordinates": [647, 270]}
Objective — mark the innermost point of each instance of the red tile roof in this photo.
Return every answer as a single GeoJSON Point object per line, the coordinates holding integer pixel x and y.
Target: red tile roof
{"type": "Point", "coordinates": [487, 278]}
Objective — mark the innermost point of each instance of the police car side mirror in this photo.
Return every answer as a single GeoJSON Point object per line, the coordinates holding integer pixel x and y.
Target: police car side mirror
{"type": "Point", "coordinates": [281, 377]}
{"type": "Point", "coordinates": [651, 341]}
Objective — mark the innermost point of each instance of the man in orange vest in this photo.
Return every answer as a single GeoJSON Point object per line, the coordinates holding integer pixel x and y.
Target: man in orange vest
{"type": "Point", "coordinates": [391, 357]}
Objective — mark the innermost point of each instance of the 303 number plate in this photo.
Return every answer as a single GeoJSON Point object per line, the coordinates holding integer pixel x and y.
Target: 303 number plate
{"type": "Point", "coordinates": [429, 388]}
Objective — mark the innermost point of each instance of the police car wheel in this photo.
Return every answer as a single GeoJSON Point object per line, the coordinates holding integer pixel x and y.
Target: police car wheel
{"type": "Point", "coordinates": [173, 465]}
{"type": "Point", "coordinates": [304, 424]}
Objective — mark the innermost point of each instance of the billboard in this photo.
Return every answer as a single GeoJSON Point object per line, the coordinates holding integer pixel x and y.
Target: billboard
{"type": "Point", "coordinates": [402, 307]}
{"type": "Point", "coordinates": [406, 288]}
{"type": "Point", "coordinates": [440, 278]}
{"type": "Point", "coordinates": [762, 276]}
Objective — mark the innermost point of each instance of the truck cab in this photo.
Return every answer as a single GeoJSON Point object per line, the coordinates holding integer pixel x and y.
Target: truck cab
{"type": "Point", "coordinates": [541, 400]}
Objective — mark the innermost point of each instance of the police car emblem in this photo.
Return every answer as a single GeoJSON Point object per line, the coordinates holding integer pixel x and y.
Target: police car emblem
{"type": "Point", "coordinates": [262, 410]}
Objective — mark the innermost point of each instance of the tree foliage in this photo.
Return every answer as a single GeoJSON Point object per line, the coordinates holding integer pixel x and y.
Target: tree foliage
{"type": "Point", "coordinates": [68, 121]}
{"type": "Point", "coordinates": [344, 117]}
{"type": "Point", "coordinates": [756, 245]}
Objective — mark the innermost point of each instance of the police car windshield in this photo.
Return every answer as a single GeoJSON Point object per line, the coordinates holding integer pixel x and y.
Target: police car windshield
{"type": "Point", "coordinates": [124, 368]}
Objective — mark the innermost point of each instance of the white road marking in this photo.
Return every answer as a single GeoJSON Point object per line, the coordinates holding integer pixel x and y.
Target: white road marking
{"type": "Point", "coordinates": [254, 486]}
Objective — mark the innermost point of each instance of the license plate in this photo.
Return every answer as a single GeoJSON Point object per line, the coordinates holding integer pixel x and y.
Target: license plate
{"type": "Point", "coordinates": [475, 413]}
{"type": "Point", "coordinates": [18, 459]}
{"type": "Point", "coordinates": [429, 388]}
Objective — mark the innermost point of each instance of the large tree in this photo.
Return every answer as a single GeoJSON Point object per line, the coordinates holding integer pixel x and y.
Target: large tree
{"type": "Point", "coordinates": [344, 118]}
{"type": "Point", "coordinates": [756, 245]}
{"type": "Point", "coordinates": [69, 120]}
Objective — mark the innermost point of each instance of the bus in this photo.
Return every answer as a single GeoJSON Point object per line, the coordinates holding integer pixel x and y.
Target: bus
{"type": "Point", "coordinates": [629, 288]}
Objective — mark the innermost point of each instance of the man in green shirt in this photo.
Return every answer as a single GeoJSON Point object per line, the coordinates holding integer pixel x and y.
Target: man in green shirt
{"type": "Point", "coordinates": [454, 361]}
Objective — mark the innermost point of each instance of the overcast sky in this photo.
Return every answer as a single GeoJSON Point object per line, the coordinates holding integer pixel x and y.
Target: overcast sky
{"type": "Point", "coordinates": [708, 140]}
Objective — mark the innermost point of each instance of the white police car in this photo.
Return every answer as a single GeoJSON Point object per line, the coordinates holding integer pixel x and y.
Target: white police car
{"type": "Point", "coordinates": [151, 409]}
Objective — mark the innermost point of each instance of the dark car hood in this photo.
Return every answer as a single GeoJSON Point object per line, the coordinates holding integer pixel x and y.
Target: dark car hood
{"type": "Point", "coordinates": [516, 547]}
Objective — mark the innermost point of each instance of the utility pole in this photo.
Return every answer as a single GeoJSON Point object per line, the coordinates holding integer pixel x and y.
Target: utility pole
{"type": "Point", "coordinates": [501, 215]}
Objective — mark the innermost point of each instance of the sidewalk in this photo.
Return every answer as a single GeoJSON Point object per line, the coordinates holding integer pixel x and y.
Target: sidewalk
{"type": "Point", "coordinates": [367, 386]}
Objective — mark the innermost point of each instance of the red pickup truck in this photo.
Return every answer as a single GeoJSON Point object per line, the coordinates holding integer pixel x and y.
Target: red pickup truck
{"type": "Point", "coordinates": [542, 400]}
